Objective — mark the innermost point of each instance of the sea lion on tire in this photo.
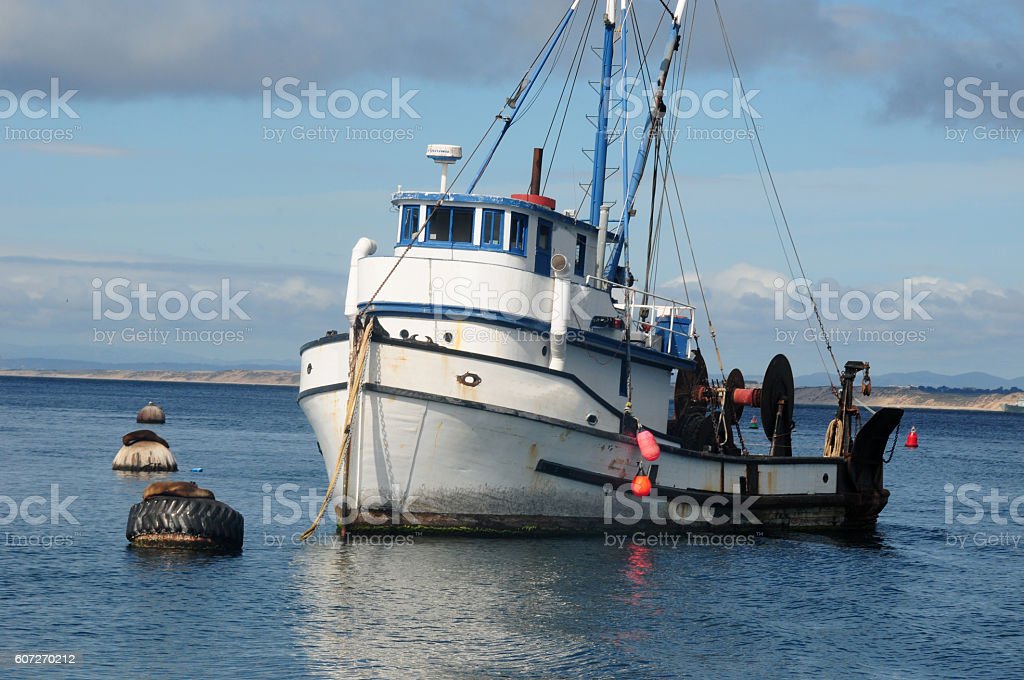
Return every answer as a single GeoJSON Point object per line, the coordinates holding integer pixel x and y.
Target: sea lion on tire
{"type": "Point", "coordinates": [143, 436]}
{"type": "Point", "coordinates": [179, 489]}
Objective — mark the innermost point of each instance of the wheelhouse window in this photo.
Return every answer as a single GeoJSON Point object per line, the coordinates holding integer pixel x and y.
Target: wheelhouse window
{"type": "Point", "coordinates": [517, 235]}
{"type": "Point", "coordinates": [542, 260]}
{"type": "Point", "coordinates": [581, 255]}
{"type": "Point", "coordinates": [462, 225]}
{"type": "Point", "coordinates": [450, 225]}
{"type": "Point", "coordinates": [410, 223]}
{"type": "Point", "coordinates": [491, 228]}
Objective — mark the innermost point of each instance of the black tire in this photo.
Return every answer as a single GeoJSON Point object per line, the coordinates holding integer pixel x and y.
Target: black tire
{"type": "Point", "coordinates": [217, 523]}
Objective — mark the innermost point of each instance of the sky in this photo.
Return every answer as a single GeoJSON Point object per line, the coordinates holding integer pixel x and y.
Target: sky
{"type": "Point", "coordinates": [162, 169]}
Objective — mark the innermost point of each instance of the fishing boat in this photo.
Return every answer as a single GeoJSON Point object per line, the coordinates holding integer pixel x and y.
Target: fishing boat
{"type": "Point", "coordinates": [1014, 408]}
{"type": "Point", "coordinates": [503, 371]}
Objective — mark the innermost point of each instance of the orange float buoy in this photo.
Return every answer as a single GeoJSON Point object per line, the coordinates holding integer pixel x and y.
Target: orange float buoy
{"type": "Point", "coordinates": [912, 439]}
{"type": "Point", "coordinates": [649, 448]}
{"type": "Point", "coordinates": [641, 485]}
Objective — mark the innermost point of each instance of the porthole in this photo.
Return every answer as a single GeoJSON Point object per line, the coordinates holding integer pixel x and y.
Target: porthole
{"type": "Point", "coordinates": [309, 368]}
{"type": "Point", "coordinates": [591, 419]}
{"type": "Point", "coordinates": [824, 477]}
{"type": "Point", "coordinates": [448, 337]}
{"type": "Point", "coordinates": [404, 334]}
{"type": "Point", "coordinates": [544, 350]}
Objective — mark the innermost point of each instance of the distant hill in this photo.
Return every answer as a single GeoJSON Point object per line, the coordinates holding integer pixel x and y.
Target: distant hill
{"type": "Point", "coordinates": [972, 380]}
{"type": "Point", "coordinates": [48, 364]}
{"type": "Point", "coordinates": [910, 397]}
{"type": "Point", "coordinates": [237, 377]}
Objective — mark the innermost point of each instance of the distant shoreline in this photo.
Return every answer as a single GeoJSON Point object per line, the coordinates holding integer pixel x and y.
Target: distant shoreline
{"type": "Point", "coordinates": [912, 397]}
{"type": "Point", "coordinates": [900, 397]}
{"type": "Point", "coordinates": [232, 377]}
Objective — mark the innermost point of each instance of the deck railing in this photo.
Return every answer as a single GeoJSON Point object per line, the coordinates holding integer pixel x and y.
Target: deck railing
{"type": "Point", "coordinates": [658, 322]}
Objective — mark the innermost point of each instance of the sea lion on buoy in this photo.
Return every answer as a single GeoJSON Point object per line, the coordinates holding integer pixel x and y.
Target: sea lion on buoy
{"type": "Point", "coordinates": [181, 515]}
{"type": "Point", "coordinates": [143, 436]}
{"type": "Point", "coordinates": [179, 489]}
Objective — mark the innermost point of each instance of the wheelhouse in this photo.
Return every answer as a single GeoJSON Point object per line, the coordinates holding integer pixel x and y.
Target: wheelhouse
{"type": "Point", "coordinates": [503, 231]}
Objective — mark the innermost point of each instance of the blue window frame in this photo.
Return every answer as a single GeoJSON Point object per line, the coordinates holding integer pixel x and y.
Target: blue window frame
{"type": "Point", "coordinates": [517, 235]}
{"type": "Point", "coordinates": [491, 225]}
{"type": "Point", "coordinates": [447, 226]}
{"type": "Point", "coordinates": [410, 223]}
{"type": "Point", "coordinates": [542, 261]}
{"type": "Point", "coordinates": [581, 255]}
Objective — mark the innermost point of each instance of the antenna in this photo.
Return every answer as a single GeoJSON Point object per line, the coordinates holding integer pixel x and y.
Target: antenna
{"type": "Point", "coordinates": [444, 155]}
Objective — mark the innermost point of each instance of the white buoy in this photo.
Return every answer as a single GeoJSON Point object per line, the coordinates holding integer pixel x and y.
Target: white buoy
{"type": "Point", "coordinates": [144, 451]}
{"type": "Point", "coordinates": [151, 414]}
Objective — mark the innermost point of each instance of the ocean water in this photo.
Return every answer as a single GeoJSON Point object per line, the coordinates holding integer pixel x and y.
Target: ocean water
{"type": "Point", "coordinates": [935, 591]}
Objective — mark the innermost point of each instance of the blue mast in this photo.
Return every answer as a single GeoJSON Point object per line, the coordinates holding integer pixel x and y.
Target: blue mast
{"type": "Point", "coordinates": [624, 104]}
{"type": "Point", "coordinates": [601, 137]}
{"type": "Point", "coordinates": [651, 126]}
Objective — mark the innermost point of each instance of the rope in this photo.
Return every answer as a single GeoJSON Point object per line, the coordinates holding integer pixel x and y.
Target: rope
{"type": "Point", "coordinates": [355, 385]}
{"type": "Point", "coordinates": [892, 449]}
{"type": "Point", "coordinates": [834, 439]}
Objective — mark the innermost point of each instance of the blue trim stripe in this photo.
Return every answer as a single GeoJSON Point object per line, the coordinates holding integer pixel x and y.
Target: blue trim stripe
{"type": "Point", "coordinates": [589, 340]}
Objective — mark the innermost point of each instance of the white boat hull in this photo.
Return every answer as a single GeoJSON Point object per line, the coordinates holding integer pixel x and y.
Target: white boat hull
{"type": "Point", "coordinates": [520, 450]}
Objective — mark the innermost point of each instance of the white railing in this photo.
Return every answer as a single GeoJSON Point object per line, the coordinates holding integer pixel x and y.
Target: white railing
{"type": "Point", "coordinates": [659, 322]}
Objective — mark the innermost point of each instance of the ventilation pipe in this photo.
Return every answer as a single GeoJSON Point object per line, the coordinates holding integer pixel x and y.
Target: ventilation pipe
{"type": "Point", "coordinates": [561, 291]}
{"type": "Point", "coordinates": [602, 239]}
{"type": "Point", "coordinates": [364, 247]}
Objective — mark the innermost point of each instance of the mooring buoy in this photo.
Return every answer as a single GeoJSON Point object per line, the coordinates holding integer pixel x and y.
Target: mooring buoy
{"type": "Point", "coordinates": [183, 515]}
{"type": "Point", "coordinates": [144, 451]}
{"type": "Point", "coordinates": [151, 414]}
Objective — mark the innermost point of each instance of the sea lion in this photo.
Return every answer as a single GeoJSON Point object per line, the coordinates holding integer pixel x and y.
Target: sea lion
{"type": "Point", "coordinates": [143, 436]}
{"type": "Point", "coordinates": [180, 489]}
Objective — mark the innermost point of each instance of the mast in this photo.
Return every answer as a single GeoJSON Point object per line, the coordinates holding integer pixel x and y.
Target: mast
{"type": "Point", "coordinates": [601, 136]}
{"type": "Point", "coordinates": [623, 107]}
{"type": "Point", "coordinates": [652, 126]}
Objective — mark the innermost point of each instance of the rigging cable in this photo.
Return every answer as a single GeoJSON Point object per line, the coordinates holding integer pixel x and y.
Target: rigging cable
{"type": "Point", "coordinates": [578, 62]}
{"type": "Point", "coordinates": [465, 165]}
{"type": "Point", "coordinates": [759, 149]}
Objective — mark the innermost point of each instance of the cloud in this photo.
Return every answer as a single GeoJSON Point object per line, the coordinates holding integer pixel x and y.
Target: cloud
{"type": "Point", "coordinates": [125, 49]}
{"type": "Point", "coordinates": [128, 50]}
{"type": "Point", "coordinates": [965, 315]}
{"type": "Point", "coordinates": [69, 149]}
{"type": "Point", "coordinates": [55, 300]}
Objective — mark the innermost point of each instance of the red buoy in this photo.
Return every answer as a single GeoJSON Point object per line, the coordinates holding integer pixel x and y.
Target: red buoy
{"type": "Point", "coordinates": [649, 448]}
{"type": "Point", "coordinates": [912, 439]}
{"type": "Point", "coordinates": [641, 485]}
